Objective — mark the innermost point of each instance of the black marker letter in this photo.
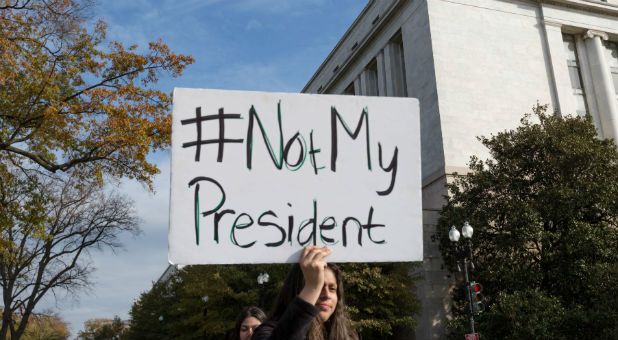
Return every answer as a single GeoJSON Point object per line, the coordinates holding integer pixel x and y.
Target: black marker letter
{"type": "Point", "coordinates": [392, 167]}
{"type": "Point", "coordinates": [370, 226]}
{"type": "Point", "coordinates": [304, 224]}
{"type": "Point", "coordinates": [302, 154]}
{"type": "Point", "coordinates": [312, 152]}
{"type": "Point", "coordinates": [196, 203]}
{"type": "Point", "coordinates": [334, 116]}
{"type": "Point", "coordinates": [237, 225]}
{"type": "Point", "coordinates": [221, 140]}
{"type": "Point", "coordinates": [327, 226]}
{"type": "Point", "coordinates": [360, 230]}
{"type": "Point", "coordinates": [265, 224]}
{"type": "Point", "coordinates": [253, 115]}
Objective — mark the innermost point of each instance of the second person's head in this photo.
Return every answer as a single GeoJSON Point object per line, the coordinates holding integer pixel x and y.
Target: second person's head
{"type": "Point", "coordinates": [330, 301]}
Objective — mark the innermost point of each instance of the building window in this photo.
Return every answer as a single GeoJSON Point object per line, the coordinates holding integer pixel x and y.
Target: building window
{"type": "Point", "coordinates": [400, 89]}
{"type": "Point", "coordinates": [371, 79]}
{"type": "Point", "coordinates": [575, 74]}
{"type": "Point", "coordinates": [611, 47]}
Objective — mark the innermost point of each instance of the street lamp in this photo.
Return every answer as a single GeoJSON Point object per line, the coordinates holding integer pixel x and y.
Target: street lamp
{"type": "Point", "coordinates": [262, 280]}
{"type": "Point", "coordinates": [467, 230]}
{"type": "Point", "coordinates": [465, 257]}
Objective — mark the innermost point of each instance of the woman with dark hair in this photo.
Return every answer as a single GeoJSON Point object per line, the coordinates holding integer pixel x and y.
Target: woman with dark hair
{"type": "Point", "coordinates": [310, 304]}
{"type": "Point", "coordinates": [247, 321]}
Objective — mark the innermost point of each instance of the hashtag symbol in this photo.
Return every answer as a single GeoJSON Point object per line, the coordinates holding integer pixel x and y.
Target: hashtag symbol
{"type": "Point", "coordinates": [221, 117]}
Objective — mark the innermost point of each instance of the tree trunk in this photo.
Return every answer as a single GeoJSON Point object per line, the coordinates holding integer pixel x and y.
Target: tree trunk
{"type": "Point", "coordinates": [22, 326]}
{"type": "Point", "coordinates": [5, 324]}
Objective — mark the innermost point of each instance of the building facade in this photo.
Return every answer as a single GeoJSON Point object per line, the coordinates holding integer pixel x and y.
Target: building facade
{"type": "Point", "coordinates": [476, 67]}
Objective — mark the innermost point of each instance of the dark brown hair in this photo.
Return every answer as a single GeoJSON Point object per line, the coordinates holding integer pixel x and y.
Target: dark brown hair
{"type": "Point", "coordinates": [336, 327]}
{"type": "Point", "coordinates": [247, 312]}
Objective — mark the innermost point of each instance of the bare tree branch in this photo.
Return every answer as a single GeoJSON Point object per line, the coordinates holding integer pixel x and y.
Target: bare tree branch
{"type": "Point", "coordinates": [76, 219]}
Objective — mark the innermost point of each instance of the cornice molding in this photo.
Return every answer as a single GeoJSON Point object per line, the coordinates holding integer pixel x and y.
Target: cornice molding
{"type": "Point", "coordinates": [586, 5]}
{"type": "Point", "coordinates": [552, 23]}
{"type": "Point", "coordinates": [358, 46]}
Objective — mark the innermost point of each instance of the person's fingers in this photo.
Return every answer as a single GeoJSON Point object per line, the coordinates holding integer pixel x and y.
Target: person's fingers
{"type": "Point", "coordinates": [317, 253]}
{"type": "Point", "coordinates": [303, 256]}
{"type": "Point", "coordinates": [320, 257]}
{"type": "Point", "coordinates": [307, 255]}
{"type": "Point", "coordinates": [323, 252]}
{"type": "Point", "coordinates": [312, 254]}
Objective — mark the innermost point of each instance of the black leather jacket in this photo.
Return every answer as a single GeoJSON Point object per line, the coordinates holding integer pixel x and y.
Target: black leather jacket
{"type": "Point", "coordinates": [293, 324]}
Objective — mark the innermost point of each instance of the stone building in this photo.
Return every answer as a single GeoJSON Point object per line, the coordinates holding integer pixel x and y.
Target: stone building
{"type": "Point", "coordinates": [476, 67]}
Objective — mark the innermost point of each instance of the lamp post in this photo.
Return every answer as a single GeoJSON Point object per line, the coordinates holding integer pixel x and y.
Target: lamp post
{"type": "Point", "coordinates": [204, 314]}
{"type": "Point", "coordinates": [205, 310]}
{"type": "Point", "coordinates": [262, 280]}
{"type": "Point", "coordinates": [465, 257]}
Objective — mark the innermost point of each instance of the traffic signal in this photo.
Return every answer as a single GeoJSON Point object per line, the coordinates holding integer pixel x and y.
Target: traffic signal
{"type": "Point", "coordinates": [476, 297]}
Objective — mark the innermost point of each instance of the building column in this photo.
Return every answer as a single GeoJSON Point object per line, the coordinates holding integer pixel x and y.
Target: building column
{"type": "Point", "coordinates": [602, 83]}
{"type": "Point", "coordinates": [388, 67]}
{"type": "Point", "coordinates": [365, 83]}
{"type": "Point", "coordinates": [358, 89]}
{"type": "Point", "coordinates": [588, 82]}
{"type": "Point", "coordinates": [381, 75]}
{"type": "Point", "coordinates": [563, 92]}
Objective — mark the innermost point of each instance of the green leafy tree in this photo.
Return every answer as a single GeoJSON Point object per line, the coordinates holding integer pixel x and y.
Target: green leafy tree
{"type": "Point", "coordinates": [202, 302]}
{"type": "Point", "coordinates": [545, 214]}
{"type": "Point", "coordinates": [149, 316]}
{"type": "Point", "coordinates": [381, 299]}
{"type": "Point", "coordinates": [103, 329]}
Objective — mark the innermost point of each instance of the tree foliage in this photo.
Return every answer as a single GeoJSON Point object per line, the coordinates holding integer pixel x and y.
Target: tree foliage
{"type": "Point", "coordinates": [21, 205]}
{"type": "Point", "coordinates": [50, 231]}
{"type": "Point", "coordinates": [202, 302]}
{"type": "Point", "coordinates": [104, 329]}
{"type": "Point", "coordinates": [67, 103]}
{"type": "Point", "coordinates": [380, 298]}
{"type": "Point", "coordinates": [47, 326]}
{"type": "Point", "coordinates": [44, 326]}
{"type": "Point", "coordinates": [545, 214]}
{"type": "Point", "coordinates": [74, 111]}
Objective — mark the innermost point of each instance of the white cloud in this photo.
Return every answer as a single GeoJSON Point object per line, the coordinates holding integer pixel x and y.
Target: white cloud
{"type": "Point", "coordinates": [253, 24]}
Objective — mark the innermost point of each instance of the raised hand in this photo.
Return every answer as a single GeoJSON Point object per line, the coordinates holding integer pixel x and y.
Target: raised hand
{"type": "Point", "coordinates": [312, 264]}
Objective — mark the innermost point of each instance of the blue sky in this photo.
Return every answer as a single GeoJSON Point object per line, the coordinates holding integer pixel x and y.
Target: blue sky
{"type": "Point", "coordinates": [262, 45]}
{"type": "Point", "coordinates": [267, 45]}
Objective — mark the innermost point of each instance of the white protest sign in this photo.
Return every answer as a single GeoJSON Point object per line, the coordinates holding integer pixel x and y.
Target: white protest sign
{"type": "Point", "coordinates": [257, 176]}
